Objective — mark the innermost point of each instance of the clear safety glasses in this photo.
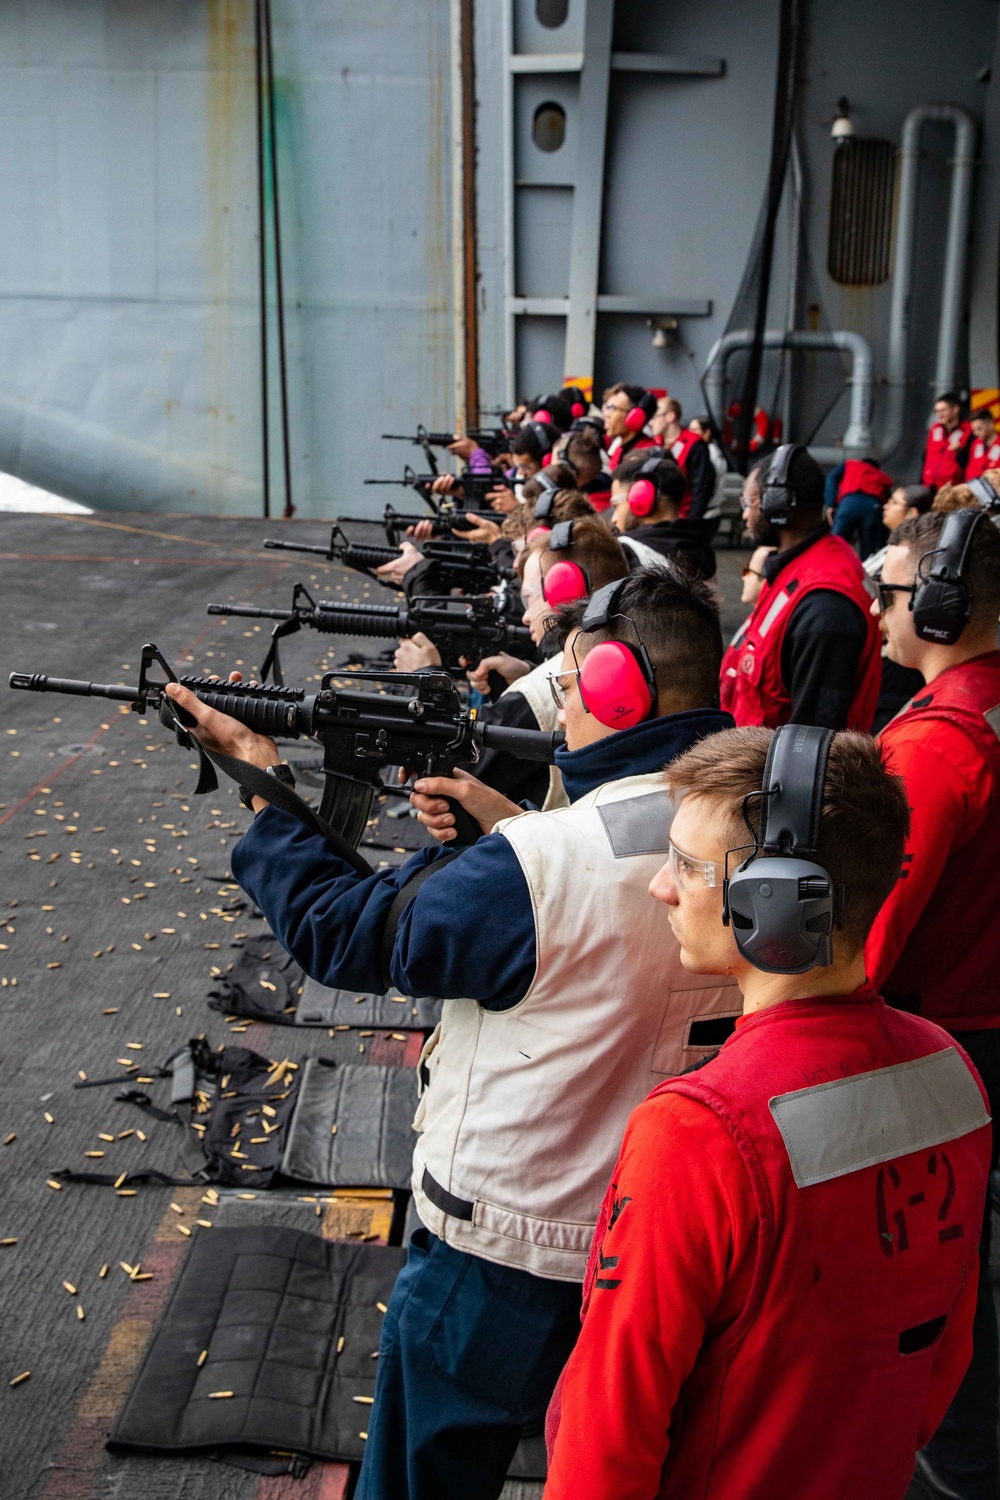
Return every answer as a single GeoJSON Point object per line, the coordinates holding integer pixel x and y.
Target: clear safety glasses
{"type": "Point", "coordinates": [691, 874]}
{"type": "Point", "coordinates": [558, 685]}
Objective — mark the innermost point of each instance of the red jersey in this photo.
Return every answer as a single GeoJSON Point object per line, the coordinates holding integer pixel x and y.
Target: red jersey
{"type": "Point", "coordinates": [944, 458]}
{"type": "Point", "coordinates": [780, 1297]}
{"type": "Point", "coordinates": [863, 478]}
{"type": "Point", "coordinates": [617, 449]}
{"type": "Point", "coordinates": [759, 693]}
{"type": "Point", "coordinates": [680, 449]}
{"type": "Point", "coordinates": [935, 945]}
{"type": "Point", "coordinates": [982, 456]}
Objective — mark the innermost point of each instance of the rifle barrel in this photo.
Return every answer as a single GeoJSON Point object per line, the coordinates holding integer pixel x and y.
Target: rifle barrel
{"type": "Point", "coordinates": [41, 682]}
{"type": "Point", "coordinates": [251, 612]}
{"type": "Point", "coordinates": [275, 546]}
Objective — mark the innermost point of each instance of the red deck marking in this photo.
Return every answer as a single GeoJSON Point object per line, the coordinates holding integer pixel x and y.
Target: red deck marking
{"type": "Point", "coordinates": [323, 1482]}
{"type": "Point", "coordinates": [182, 654]}
{"type": "Point", "coordinates": [201, 562]}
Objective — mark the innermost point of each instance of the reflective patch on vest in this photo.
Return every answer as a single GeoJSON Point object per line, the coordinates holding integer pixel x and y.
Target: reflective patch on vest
{"type": "Point", "coordinates": [780, 601]}
{"type": "Point", "coordinates": [992, 717]}
{"type": "Point", "coordinates": [852, 1123]}
{"type": "Point", "coordinates": [638, 825]}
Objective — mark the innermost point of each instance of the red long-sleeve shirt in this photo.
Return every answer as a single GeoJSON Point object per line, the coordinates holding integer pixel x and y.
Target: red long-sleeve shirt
{"type": "Point", "coordinates": [676, 1267]}
{"type": "Point", "coordinates": [683, 1244]}
{"type": "Point", "coordinates": [916, 945]}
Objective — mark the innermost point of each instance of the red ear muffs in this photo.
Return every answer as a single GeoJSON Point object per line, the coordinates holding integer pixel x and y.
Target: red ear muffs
{"type": "Point", "coordinates": [542, 415]}
{"type": "Point", "coordinates": [565, 582]}
{"type": "Point", "coordinates": [538, 531]}
{"type": "Point", "coordinates": [546, 460]}
{"type": "Point", "coordinates": [578, 410]}
{"type": "Point", "coordinates": [614, 685]}
{"type": "Point", "coordinates": [636, 419]}
{"type": "Point", "coordinates": [641, 497]}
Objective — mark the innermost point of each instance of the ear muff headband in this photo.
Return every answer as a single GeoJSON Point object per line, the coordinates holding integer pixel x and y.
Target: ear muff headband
{"type": "Point", "coordinates": [617, 679]}
{"type": "Point", "coordinates": [541, 435]}
{"type": "Point", "coordinates": [561, 538]}
{"type": "Point", "coordinates": [545, 502]}
{"type": "Point", "coordinates": [643, 492]}
{"type": "Point", "coordinates": [985, 494]}
{"type": "Point", "coordinates": [778, 500]}
{"type": "Point", "coordinates": [781, 903]}
{"type": "Point", "coordinates": [942, 603]}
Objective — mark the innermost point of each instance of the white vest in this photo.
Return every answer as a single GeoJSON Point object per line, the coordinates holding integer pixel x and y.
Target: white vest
{"type": "Point", "coordinates": [534, 688]}
{"type": "Point", "coordinates": [647, 556]}
{"type": "Point", "coordinates": [524, 1110]}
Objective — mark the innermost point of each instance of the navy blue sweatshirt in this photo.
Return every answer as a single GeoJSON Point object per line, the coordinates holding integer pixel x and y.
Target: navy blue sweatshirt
{"type": "Point", "coordinates": [470, 930]}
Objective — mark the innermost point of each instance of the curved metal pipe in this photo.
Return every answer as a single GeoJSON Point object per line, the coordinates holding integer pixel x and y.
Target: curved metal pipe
{"type": "Point", "coordinates": [858, 437]}
{"type": "Point", "coordinates": [955, 265]}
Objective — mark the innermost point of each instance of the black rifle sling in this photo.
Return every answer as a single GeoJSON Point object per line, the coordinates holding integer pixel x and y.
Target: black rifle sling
{"type": "Point", "coordinates": [257, 783]}
{"type": "Point", "coordinates": [400, 902]}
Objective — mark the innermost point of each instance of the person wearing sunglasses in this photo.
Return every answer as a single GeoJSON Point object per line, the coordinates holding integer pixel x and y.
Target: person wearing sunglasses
{"type": "Point", "coordinates": [935, 945]}
{"type": "Point", "coordinates": [559, 974]}
{"type": "Point", "coordinates": [753, 582]}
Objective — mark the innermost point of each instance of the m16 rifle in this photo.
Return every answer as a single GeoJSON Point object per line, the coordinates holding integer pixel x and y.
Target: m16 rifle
{"type": "Point", "coordinates": [459, 565]}
{"type": "Point", "coordinates": [475, 487]}
{"type": "Point", "coordinates": [492, 440]}
{"type": "Point", "coordinates": [424, 729]}
{"type": "Point", "coordinates": [396, 522]}
{"type": "Point", "coordinates": [460, 628]}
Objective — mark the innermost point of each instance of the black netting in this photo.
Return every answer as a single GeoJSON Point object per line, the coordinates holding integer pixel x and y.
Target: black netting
{"type": "Point", "coordinates": [758, 392]}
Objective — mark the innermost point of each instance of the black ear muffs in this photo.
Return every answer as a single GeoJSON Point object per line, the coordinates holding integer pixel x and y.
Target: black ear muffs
{"type": "Point", "coordinates": [942, 603]}
{"type": "Point", "coordinates": [781, 903]}
{"type": "Point", "coordinates": [544, 504]}
{"type": "Point", "coordinates": [778, 500]}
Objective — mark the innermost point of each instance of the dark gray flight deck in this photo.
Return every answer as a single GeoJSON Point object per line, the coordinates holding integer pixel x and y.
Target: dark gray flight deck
{"type": "Point", "coordinates": [114, 907]}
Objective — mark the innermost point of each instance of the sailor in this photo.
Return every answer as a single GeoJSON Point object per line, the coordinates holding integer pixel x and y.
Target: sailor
{"type": "Point", "coordinates": [780, 1295]}
{"type": "Point", "coordinates": [947, 443]}
{"type": "Point", "coordinates": [984, 451]}
{"type": "Point", "coordinates": [560, 974]}
{"type": "Point", "coordinates": [855, 493]}
{"type": "Point", "coordinates": [688, 448]}
{"type": "Point", "coordinates": [627, 410]}
{"type": "Point", "coordinates": [935, 945]}
{"type": "Point", "coordinates": [648, 492]}
{"type": "Point", "coordinates": [811, 653]}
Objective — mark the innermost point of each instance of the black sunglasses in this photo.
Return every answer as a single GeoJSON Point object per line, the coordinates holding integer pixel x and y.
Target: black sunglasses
{"type": "Point", "coordinates": [886, 591]}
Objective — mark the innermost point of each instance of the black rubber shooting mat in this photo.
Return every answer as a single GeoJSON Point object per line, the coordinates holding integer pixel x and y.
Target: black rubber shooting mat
{"type": "Point", "coordinates": [320, 1006]}
{"type": "Point", "coordinates": [352, 1126]}
{"type": "Point", "coordinates": [266, 1342]}
{"type": "Point", "coordinates": [264, 984]}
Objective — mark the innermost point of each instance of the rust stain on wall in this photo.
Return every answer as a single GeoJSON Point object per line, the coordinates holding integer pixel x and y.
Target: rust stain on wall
{"type": "Point", "coordinates": [437, 221]}
{"type": "Point", "coordinates": [229, 140]}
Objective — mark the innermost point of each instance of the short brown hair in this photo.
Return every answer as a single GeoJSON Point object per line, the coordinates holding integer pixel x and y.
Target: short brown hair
{"type": "Point", "coordinates": [567, 505]}
{"type": "Point", "coordinates": [675, 615]}
{"type": "Point", "coordinates": [674, 406]}
{"type": "Point", "coordinates": [863, 825]}
{"type": "Point", "coordinates": [592, 547]}
{"type": "Point", "coordinates": [920, 535]}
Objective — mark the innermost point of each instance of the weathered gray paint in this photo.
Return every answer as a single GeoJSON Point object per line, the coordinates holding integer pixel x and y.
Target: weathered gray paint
{"type": "Point", "coordinates": [128, 296]}
{"type": "Point", "coordinates": [686, 161]}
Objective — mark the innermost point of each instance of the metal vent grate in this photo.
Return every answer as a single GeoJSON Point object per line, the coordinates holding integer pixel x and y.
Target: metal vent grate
{"type": "Point", "coordinates": [864, 173]}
